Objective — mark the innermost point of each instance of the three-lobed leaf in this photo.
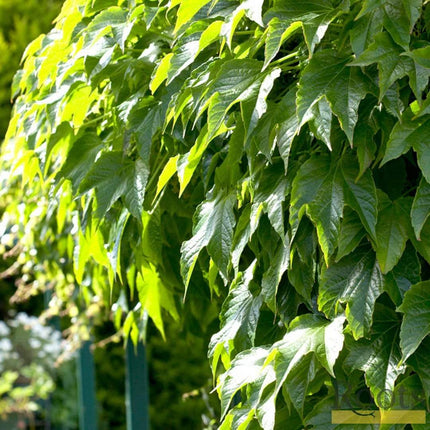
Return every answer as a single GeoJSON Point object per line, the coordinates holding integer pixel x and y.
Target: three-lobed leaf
{"type": "Point", "coordinates": [213, 229]}
{"type": "Point", "coordinates": [329, 74]}
{"type": "Point", "coordinates": [416, 321]}
{"type": "Point", "coordinates": [410, 132]}
{"type": "Point", "coordinates": [356, 281]}
{"type": "Point", "coordinates": [379, 356]}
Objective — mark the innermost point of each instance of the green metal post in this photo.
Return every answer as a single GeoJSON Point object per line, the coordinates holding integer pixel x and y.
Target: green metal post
{"type": "Point", "coordinates": [86, 389]}
{"type": "Point", "coordinates": [137, 391]}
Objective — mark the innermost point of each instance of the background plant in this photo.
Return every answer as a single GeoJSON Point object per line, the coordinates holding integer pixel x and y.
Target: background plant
{"type": "Point", "coordinates": [18, 27]}
{"type": "Point", "coordinates": [270, 155]}
{"type": "Point", "coordinates": [29, 374]}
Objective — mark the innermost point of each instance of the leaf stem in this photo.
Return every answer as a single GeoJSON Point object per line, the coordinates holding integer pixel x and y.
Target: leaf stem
{"type": "Point", "coordinates": [409, 190]}
{"type": "Point", "coordinates": [282, 59]}
{"type": "Point", "coordinates": [157, 169]}
{"type": "Point", "coordinates": [287, 67]}
{"type": "Point", "coordinates": [96, 120]}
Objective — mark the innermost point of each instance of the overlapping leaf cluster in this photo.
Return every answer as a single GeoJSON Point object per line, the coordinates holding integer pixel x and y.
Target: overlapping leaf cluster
{"type": "Point", "coordinates": [273, 155]}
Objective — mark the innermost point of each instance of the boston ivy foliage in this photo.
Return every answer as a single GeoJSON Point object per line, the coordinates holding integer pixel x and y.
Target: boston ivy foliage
{"type": "Point", "coordinates": [271, 155]}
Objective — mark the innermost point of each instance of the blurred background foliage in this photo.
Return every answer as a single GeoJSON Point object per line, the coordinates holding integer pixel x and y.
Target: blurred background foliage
{"type": "Point", "coordinates": [21, 21]}
{"type": "Point", "coordinates": [28, 350]}
{"type": "Point", "coordinates": [33, 391]}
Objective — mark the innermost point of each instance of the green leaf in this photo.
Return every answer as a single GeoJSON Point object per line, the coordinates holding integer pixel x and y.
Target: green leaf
{"type": "Point", "coordinates": [399, 17]}
{"type": "Point", "coordinates": [325, 211]}
{"type": "Point", "coordinates": [210, 34]}
{"type": "Point", "coordinates": [266, 412]}
{"type": "Point", "coordinates": [351, 233]}
{"type": "Point", "coordinates": [278, 32]}
{"type": "Point", "coordinates": [253, 110]}
{"type": "Point", "coordinates": [228, 173]}
{"type": "Point", "coordinates": [220, 242]}
{"type": "Point", "coordinates": [420, 56]}
{"type": "Point", "coordinates": [273, 275]}
{"type": "Point", "coordinates": [302, 276]}
{"type": "Point", "coordinates": [278, 127]}
{"type": "Point", "coordinates": [161, 72]}
{"type": "Point", "coordinates": [236, 81]}
{"type": "Point", "coordinates": [320, 124]}
{"type": "Point", "coordinates": [184, 53]}
{"type": "Point", "coordinates": [422, 148]}
{"type": "Point", "coordinates": [379, 356]}
{"type": "Point", "coordinates": [80, 159]}
{"type": "Point", "coordinates": [154, 296]}
{"type": "Point", "coordinates": [364, 30]}
{"type": "Point", "coordinates": [360, 194]}
{"type": "Point", "coordinates": [391, 236]}
{"type": "Point", "coordinates": [416, 319]}
{"type": "Point", "coordinates": [391, 65]}
{"type": "Point", "coordinates": [404, 274]}
{"type": "Point", "coordinates": [230, 25]}
{"type": "Point", "coordinates": [302, 269]}
{"type": "Point", "coordinates": [315, 17]}
{"type": "Point", "coordinates": [135, 183]}
{"type": "Point", "coordinates": [144, 123]}
{"type": "Point", "coordinates": [187, 10]}
{"type": "Point", "coordinates": [309, 333]}
{"type": "Point", "coordinates": [410, 132]}
{"type": "Point", "coordinates": [213, 228]}
{"type": "Point", "coordinates": [244, 231]}
{"type": "Point", "coordinates": [403, 135]}
{"type": "Point", "coordinates": [329, 75]}
{"type": "Point", "coordinates": [111, 20]}
{"type": "Point", "coordinates": [420, 207]}
{"type": "Point", "coordinates": [365, 144]}
{"type": "Point", "coordinates": [357, 281]}
{"type": "Point", "coordinates": [113, 177]}
{"type": "Point", "coordinates": [392, 102]}
{"type": "Point", "coordinates": [187, 163]}
{"type": "Point", "coordinates": [81, 255]}
{"type": "Point", "coordinates": [299, 379]}
{"type": "Point", "coordinates": [257, 367]}
{"type": "Point", "coordinates": [245, 368]}
{"type": "Point", "coordinates": [77, 105]}
{"type": "Point", "coordinates": [423, 245]}
{"type": "Point", "coordinates": [168, 171]}
{"type": "Point", "coordinates": [152, 236]}
{"type": "Point", "coordinates": [253, 10]}
{"type": "Point", "coordinates": [395, 13]}
{"type": "Point", "coordinates": [115, 239]}
{"type": "Point", "coordinates": [419, 77]}
{"type": "Point", "coordinates": [107, 179]}
{"type": "Point", "coordinates": [420, 362]}
{"type": "Point", "coordinates": [270, 193]}
{"type": "Point", "coordinates": [308, 180]}
{"type": "Point", "coordinates": [238, 320]}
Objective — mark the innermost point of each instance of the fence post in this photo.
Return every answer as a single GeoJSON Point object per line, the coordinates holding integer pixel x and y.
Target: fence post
{"type": "Point", "coordinates": [136, 385]}
{"type": "Point", "coordinates": [86, 388]}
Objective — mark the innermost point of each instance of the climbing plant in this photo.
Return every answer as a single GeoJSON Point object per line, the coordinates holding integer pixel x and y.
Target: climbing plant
{"type": "Point", "coordinates": [166, 157]}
